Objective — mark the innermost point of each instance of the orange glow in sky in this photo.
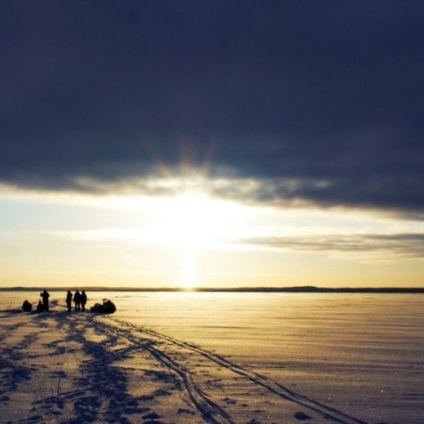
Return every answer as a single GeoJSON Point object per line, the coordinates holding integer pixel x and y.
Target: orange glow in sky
{"type": "Point", "coordinates": [193, 239]}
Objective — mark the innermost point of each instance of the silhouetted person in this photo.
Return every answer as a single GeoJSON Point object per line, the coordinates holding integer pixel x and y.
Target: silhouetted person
{"type": "Point", "coordinates": [77, 301]}
{"type": "Point", "coordinates": [83, 300]}
{"type": "Point", "coordinates": [26, 306]}
{"type": "Point", "coordinates": [45, 296]}
{"type": "Point", "coordinates": [69, 300]}
{"type": "Point", "coordinates": [40, 307]}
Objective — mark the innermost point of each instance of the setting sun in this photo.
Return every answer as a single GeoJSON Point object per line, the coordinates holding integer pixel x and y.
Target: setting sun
{"type": "Point", "coordinates": [189, 222]}
{"type": "Point", "coordinates": [234, 190]}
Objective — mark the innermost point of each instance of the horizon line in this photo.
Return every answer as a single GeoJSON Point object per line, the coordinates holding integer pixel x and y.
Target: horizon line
{"type": "Point", "coordinates": [291, 289]}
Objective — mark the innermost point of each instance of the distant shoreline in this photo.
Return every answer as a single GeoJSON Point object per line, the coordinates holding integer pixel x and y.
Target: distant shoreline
{"type": "Point", "coordinates": [299, 289]}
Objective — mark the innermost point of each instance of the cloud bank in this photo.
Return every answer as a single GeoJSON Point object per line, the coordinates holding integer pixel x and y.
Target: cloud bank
{"type": "Point", "coordinates": [316, 102]}
{"type": "Point", "coordinates": [365, 246]}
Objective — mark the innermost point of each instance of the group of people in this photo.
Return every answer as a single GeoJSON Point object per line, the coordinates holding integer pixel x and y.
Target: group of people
{"type": "Point", "coordinates": [79, 299]}
{"type": "Point", "coordinates": [43, 303]}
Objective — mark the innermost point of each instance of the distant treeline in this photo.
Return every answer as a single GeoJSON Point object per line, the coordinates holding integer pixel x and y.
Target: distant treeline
{"type": "Point", "coordinates": [297, 289]}
{"type": "Point", "coordinates": [312, 289]}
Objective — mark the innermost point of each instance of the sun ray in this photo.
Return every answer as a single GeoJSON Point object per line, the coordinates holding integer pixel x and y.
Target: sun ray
{"type": "Point", "coordinates": [189, 280]}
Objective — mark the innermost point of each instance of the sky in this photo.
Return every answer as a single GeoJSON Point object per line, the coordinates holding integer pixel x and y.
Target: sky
{"type": "Point", "coordinates": [211, 143]}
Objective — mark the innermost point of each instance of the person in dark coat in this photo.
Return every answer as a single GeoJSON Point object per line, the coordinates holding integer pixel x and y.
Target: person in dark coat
{"type": "Point", "coordinates": [69, 300]}
{"type": "Point", "coordinates": [26, 306]}
{"type": "Point", "coordinates": [77, 301]}
{"type": "Point", "coordinates": [83, 300]}
{"type": "Point", "coordinates": [40, 307]}
{"type": "Point", "coordinates": [45, 296]}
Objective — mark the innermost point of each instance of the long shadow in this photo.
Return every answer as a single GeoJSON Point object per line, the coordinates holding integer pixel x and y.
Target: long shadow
{"type": "Point", "coordinates": [102, 386]}
{"type": "Point", "coordinates": [12, 370]}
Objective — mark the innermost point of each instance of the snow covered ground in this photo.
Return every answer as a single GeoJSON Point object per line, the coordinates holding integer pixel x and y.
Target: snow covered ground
{"type": "Point", "coordinates": [214, 358]}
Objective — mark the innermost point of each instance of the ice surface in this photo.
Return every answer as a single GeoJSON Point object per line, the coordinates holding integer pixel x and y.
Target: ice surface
{"type": "Point", "coordinates": [215, 358]}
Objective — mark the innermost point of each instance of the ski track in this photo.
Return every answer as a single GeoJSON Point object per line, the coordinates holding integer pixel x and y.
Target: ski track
{"type": "Point", "coordinates": [82, 374]}
{"type": "Point", "coordinates": [212, 412]}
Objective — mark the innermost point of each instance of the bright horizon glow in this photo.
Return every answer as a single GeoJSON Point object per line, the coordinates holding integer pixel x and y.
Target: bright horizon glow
{"type": "Point", "coordinates": [189, 280]}
{"type": "Point", "coordinates": [188, 222]}
{"type": "Point", "coordinates": [189, 238]}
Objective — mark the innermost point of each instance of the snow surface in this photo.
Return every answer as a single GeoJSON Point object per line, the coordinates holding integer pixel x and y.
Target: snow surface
{"type": "Point", "coordinates": [214, 358]}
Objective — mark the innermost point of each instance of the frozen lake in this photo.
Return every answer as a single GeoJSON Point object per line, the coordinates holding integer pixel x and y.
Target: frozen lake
{"type": "Point", "coordinates": [360, 353]}
{"type": "Point", "coordinates": [364, 352]}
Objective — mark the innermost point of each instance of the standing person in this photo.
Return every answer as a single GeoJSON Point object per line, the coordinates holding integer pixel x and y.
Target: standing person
{"type": "Point", "coordinates": [77, 301]}
{"type": "Point", "coordinates": [83, 300]}
{"type": "Point", "coordinates": [45, 296]}
{"type": "Point", "coordinates": [69, 300]}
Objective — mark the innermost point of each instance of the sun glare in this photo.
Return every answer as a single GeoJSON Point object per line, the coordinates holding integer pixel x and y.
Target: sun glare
{"type": "Point", "coordinates": [188, 277]}
{"type": "Point", "coordinates": [188, 223]}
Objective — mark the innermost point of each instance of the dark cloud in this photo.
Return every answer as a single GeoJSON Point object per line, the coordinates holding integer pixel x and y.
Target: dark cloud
{"type": "Point", "coordinates": [319, 101]}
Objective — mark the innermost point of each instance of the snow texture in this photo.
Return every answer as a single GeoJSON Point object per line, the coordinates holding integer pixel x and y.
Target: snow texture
{"type": "Point", "coordinates": [214, 358]}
